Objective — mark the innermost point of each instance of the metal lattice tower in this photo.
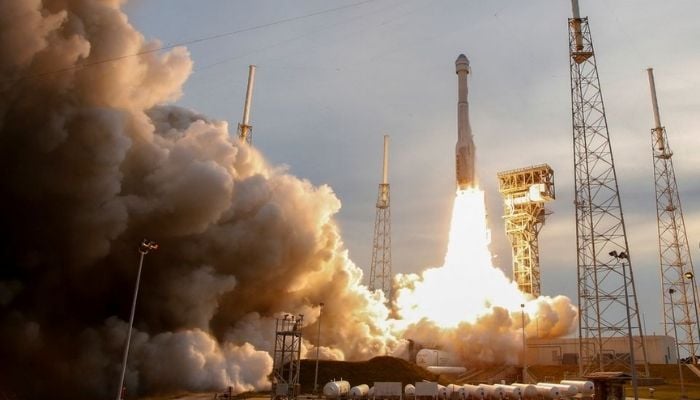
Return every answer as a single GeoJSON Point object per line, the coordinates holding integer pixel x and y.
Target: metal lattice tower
{"type": "Point", "coordinates": [607, 297]}
{"type": "Point", "coordinates": [245, 130]}
{"type": "Point", "coordinates": [380, 276]}
{"type": "Point", "coordinates": [525, 191]}
{"type": "Point", "coordinates": [677, 274]}
{"type": "Point", "coordinates": [286, 357]}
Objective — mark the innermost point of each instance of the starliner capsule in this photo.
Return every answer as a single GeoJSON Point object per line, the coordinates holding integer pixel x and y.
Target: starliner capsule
{"type": "Point", "coordinates": [465, 151]}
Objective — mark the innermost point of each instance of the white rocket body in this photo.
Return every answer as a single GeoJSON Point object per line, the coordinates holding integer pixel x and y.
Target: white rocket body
{"type": "Point", "coordinates": [465, 151]}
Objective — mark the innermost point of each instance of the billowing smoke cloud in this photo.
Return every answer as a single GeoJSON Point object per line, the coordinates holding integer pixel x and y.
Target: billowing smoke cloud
{"type": "Point", "coordinates": [470, 308]}
{"type": "Point", "coordinates": [93, 159]}
{"type": "Point", "coordinates": [91, 162]}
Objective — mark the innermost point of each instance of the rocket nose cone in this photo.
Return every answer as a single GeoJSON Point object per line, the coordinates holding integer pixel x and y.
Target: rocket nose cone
{"type": "Point", "coordinates": [462, 62]}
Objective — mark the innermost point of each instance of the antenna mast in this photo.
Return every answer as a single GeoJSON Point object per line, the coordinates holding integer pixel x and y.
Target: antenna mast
{"type": "Point", "coordinates": [245, 130]}
{"type": "Point", "coordinates": [380, 276]}
{"type": "Point", "coordinates": [677, 274]}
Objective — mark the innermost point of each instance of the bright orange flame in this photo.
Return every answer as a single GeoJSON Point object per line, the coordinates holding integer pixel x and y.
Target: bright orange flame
{"type": "Point", "coordinates": [468, 284]}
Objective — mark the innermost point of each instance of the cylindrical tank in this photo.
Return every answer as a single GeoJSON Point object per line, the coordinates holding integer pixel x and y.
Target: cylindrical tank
{"type": "Point", "coordinates": [359, 391]}
{"type": "Point", "coordinates": [512, 392]}
{"type": "Point", "coordinates": [442, 392]}
{"type": "Point", "coordinates": [528, 391]}
{"type": "Point", "coordinates": [453, 391]}
{"type": "Point", "coordinates": [564, 390]}
{"type": "Point", "coordinates": [548, 392]}
{"type": "Point", "coordinates": [335, 389]}
{"type": "Point", "coordinates": [432, 357]}
{"type": "Point", "coordinates": [474, 392]}
{"type": "Point", "coordinates": [409, 390]}
{"type": "Point", "coordinates": [584, 387]}
{"type": "Point", "coordinates": [462, 393]}
{"type": "Point", "coordinates": [492, 392]}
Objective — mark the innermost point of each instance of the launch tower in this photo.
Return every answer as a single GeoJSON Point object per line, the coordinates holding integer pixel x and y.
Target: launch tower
{"type": "Point", "coordinates": [525, 191]}
{"type": "Point", "coordinates": [245, 130]}
{"type": "Point", "coordinates": [380, 276]}
{"type": "Point", "coordinates": [286, 357]}
{"type": "Point", "coordinates": [677, 274]}
{"type": "Point", "coordinates": [607, 297]}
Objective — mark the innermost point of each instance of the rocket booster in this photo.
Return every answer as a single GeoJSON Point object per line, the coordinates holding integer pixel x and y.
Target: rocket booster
{"type": "Point", "coordinates": [465, 149]}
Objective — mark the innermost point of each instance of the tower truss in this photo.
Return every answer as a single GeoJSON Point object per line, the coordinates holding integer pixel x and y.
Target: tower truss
{"type": "Point", "coordinates": [286, 357]}
{"type": "Point", "coordinates": [380, 276]}
{"type": "Point", "coordinates": [525, 191]}
{"type": "Point", "coordinates": [245, 130]}
{"type": "Point", "coordinates": [607, 297]}
{"type": "Point", "coordinates": [677, 274]}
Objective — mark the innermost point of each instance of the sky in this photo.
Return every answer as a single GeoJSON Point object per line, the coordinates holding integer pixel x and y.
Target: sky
{"type": "Point", "coordinates": [329, 86]}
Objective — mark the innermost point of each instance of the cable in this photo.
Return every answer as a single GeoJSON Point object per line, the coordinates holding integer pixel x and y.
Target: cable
{"type": "Point", "coordinates": [190, 42]}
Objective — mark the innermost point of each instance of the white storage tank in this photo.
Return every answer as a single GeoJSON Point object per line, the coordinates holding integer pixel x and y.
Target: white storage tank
{"type": "Point", "coordinates": [436, 358]}
{"type": "Point", "coordinates": [586, 388]}
{"type": "Point", "coordinates": [442, 392]}
{"type": "Point", "coordinates": [409, 390]}
{"type": "Point", "coordinates": [564, 390]}
{"type": "Point", "coordinates": [512, 392]}
{"type": "Point", "coordinates": [474, 392]}
{"type": "Point", "coordinates": [462, 393]}
{"type": "Point", "coordinates": [548, 392]}
{"type": "Point", "coordinates": [453, 391]}
{"type": "Point", "coordinates": [492, 392]}
{"type": "Point", "coordinates": [528, 391]}
{"type": "Point", "coordinates": [359, 391]}
{"type": "Point", "coordinates": [336, 389]}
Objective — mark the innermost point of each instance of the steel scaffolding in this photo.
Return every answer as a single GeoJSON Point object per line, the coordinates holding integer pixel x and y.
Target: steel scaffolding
{"type": "Point", "coordinates": [607, 297]}
{"type": "Point", "coordinates": [380, 276]}
{"type": "Point", "coordinates": [677, 274]}
{"type": "Point", "coordinates": [286, 357]}
{"type": "Point", "coordinates": [525, 191]}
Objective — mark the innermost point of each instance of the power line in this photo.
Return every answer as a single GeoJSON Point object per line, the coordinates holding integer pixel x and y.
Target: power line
{"type": "Point", "coordinates": [190, 42]}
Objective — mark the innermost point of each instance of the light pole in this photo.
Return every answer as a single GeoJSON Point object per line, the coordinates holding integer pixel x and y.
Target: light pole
{"type": "Point", "coordinates": [691, 277]}
{"type": "Point", "coordinates": [633, 367]}
{"type": "Point", "coordinates": [522, 320]}
{"type": "Point", "coordinates": [671, 291]}
{"type": "Point", "coordinates": [318, 347]}
{"type": "Point", "coordinates": [144, 248]}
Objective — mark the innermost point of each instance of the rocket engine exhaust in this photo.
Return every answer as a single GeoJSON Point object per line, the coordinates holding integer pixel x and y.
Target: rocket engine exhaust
{"type": "Point", "coordinates": [465, 149]}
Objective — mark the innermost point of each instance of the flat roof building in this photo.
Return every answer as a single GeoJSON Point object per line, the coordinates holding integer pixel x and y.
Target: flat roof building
{"type": "Point", "coordinates": [564, 351]}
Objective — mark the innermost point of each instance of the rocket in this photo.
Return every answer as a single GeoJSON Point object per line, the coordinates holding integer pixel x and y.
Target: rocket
{"type": "Point", "coordinates": [464, 150]}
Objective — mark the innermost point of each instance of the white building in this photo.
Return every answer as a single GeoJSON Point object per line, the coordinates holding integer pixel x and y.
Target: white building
{"type": "Point", "coordinates": [564, 351]}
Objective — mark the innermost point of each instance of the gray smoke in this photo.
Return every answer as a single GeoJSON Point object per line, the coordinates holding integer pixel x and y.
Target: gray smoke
{"type": "Point", "coordinates": [92, 159]}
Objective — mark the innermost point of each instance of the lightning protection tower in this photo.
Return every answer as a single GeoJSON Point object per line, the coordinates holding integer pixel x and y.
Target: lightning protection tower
{"type": "Point", "coordinates": [245, 130]}
{"type": "Point", "coordinates": [677, 274]}
{"type": "Point", "coordinates": [525, 191]}
{"type": "Point", "coordinates": [286, 357]}
{"type": "Point", "coordinates": [607, 298]}
{"type": "Point", "coordinates": [380, 276]}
